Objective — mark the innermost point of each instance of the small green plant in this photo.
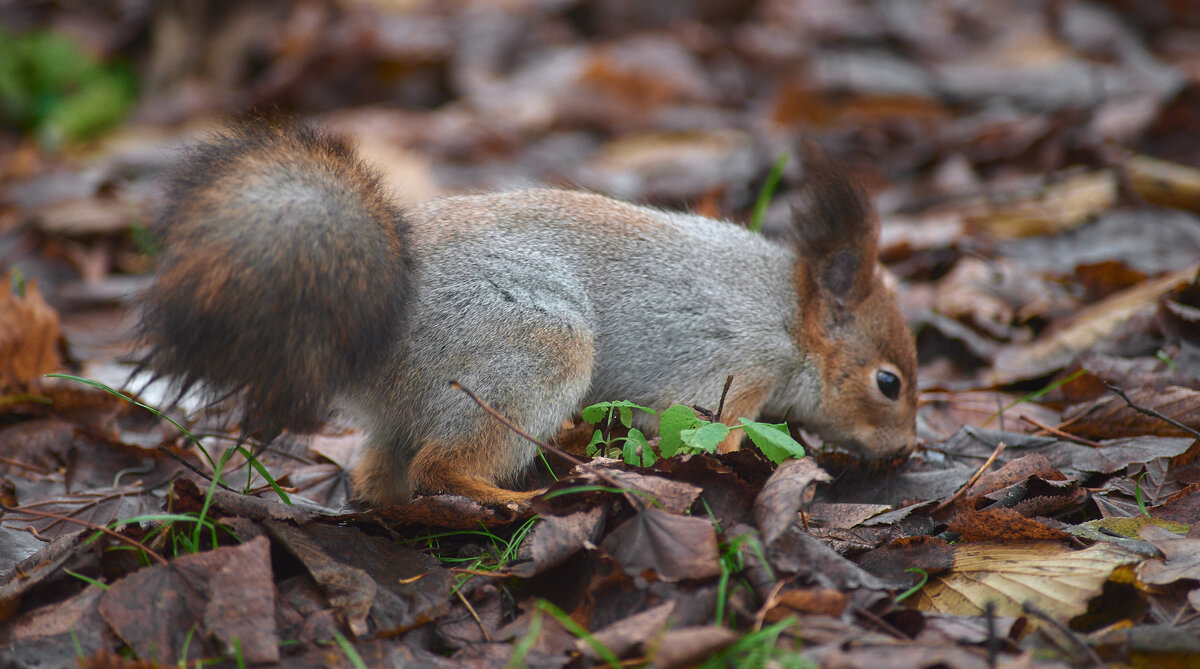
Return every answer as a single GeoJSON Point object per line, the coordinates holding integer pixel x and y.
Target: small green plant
{"type": "Point", "coordinates": [1166, 359]}
{"type": "Point", "coordinates": [525, 644]}
{"type": "Point", "coordinates": [185, 542]}
{"type": "Point", "coordinates": [1137, 493]}
{"type": "Point", "coordinates": [767, 192]}
{"type": "Point", "coordinates": [575, 628]}
{"type": "Point", "coordinates": [183, 652]}
{"type": "Point", "coordinates": [760, 649]}
{"type": "Point", "coordinates": [1035, 394]}
{"type": "Point", "coordinates": [48, 85]}
{"type": "Point", "coordinates": [352, 655]}
{"type": "Point", "coordinates": [916, 588]}
{"type": "Point", "coordinates": [680, 431]}
{"type": "Point", "coordinates": [503, 550]}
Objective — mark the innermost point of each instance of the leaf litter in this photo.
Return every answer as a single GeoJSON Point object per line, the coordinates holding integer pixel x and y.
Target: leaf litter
{"type": "Point", "coordinates": [1037, 178]}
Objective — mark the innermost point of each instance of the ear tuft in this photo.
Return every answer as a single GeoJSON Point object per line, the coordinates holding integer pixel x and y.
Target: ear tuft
{"type": "Point", "coordinates": [836, 230]}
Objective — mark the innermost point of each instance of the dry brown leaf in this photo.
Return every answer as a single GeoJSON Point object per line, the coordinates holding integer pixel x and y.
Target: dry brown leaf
{"type": "Point", "coordinates": [777, 503]}
{"type": "Point", "coordinates": [220, 594]}
{"type": "Point", "coordinates": [1168, 184]}
{"type": "Point", "coordinates": [1061, 206]}
{"type": "Point", "coordinates": [674, 547]}
{"type": "Point", "coordinates": [1111, 417]}
{"type": "Point", "coordinates": [1057, 348]}
{"type": "Point", "coordinates": [1181, 557]}
{"type": "Point", "coordinates": [946, 413]}
{"type": "Point", "coordinates": [29, 331]}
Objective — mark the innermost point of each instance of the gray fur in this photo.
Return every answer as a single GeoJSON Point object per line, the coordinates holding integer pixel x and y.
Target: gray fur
{"type": "Point", "coordinates": [671, 304]}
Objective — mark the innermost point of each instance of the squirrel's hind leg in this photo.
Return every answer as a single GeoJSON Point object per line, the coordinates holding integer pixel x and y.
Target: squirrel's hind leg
{"type": "Point", "coordinates": [552, 376]}
{"type": "Point", "coordinates": [537, 372]}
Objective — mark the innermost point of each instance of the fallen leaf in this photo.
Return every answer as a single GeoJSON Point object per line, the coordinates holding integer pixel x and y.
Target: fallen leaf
{"type": "Point", "coordinates": [198, 601]}
{"type": "Point", "coordinates": [639, 630]}
{"type": "Point", "coordinates": [780, 498]}
{"type": "Point", "coordinates": [556, 538]}
{"type": "Point", "coordinates": [1181, 557]}
{"type": "Point", "coordinates": [673, 547]}
{"type": "Point", "coordinates": [29, 331]}
{"type": "Point", "coordinates": [1056, 349]}
{"type": "Point", "coordinates": [1059, 580]}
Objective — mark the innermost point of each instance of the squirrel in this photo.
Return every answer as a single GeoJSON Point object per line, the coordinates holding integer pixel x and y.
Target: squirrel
{"type": "Point", "coordinates": [290, 278]}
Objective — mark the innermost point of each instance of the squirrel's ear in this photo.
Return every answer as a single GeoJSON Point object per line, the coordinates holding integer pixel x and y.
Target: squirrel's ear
{"type": "Point", "coordinates": [835, 230]}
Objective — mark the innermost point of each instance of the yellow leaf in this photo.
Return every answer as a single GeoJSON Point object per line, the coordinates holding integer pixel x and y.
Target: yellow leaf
{"type": "Point", "coordinates": [1056, 579]}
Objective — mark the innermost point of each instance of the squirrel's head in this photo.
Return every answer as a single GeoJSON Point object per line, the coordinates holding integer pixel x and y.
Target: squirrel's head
{"type": "Point", "coordinates": [849, 326]}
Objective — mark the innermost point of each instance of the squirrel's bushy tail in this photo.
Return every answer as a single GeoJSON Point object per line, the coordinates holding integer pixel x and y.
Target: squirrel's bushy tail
{"type": "Point", "coordinates": [284, 276]}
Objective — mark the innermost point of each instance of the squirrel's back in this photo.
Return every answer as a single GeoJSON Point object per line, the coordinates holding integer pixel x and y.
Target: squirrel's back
{"type": "Point", "coordinates": [285, 274]}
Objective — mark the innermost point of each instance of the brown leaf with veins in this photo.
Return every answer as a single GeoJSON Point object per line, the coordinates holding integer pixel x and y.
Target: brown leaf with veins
{"type": "Point", "coordinates": [224, 593]}
{"type": "Point", "coordinates": [777, 503]}
{"type": "Point", "coordinates": [674, 547]}
{"type": "Point", "coordinates": [1181, 557]}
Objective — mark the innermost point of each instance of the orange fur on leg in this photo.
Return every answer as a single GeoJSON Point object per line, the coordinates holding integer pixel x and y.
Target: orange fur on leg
{"type": "Point", "coordinates": [470, 468]}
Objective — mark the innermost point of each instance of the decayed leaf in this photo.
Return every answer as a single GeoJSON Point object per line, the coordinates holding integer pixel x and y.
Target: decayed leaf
{"type": "Point", "coordinates": [1060, 581]}
{"type": "Point", "coordinates": [1060, 207]}
{"type": "Point", "coordinates": [686, 646]}
{"type": "Point", "coordinates": [54, 634]}
{"type": "Point", "coordinates": [807, 601]}
{"type": "Point", "coordinates": [672, 546]}
{"type": "Point", "coordinates": [1181, 557]}
{"type": "Point", "coordinates": [1110, 417]}
{"type": "Point", "coordinates": [948, 412]}
{"type": "Point", "coordinates": [1056, 349]}
{"type": "Point", "coordinates": [1168, 184]}
{"type": "Point", "coordinates": [556, 538]}
{"type": "Point", "coordinates": [1000, 524]}
{"type": "Point", "coordinates": [220, 594]}
{"type": "Point", "coordinates": [624, 636]}
{"type": "Point", "coordinates": [361, 575]}
{"type": "Point", "coordinates": [350, 591]}
{"type": "Point", "coordinates": [775, 508]}
{"type": "Point", "coordinates": [28, 334]}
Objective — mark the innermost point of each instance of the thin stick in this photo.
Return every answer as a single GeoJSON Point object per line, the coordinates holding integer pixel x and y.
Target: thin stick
{"type": "Point", "coordinates": [773, 596]}
{"type": "Point", "coordinates": [1150, 412]}
{"type": "Point", "coordinates": [92, 526]}
{"type": "Point", "coordinates": [192, 468]}
{"type": "Point", "coordinates": [963, 490]}
{"type": "Point", "coordinates": [1033, 610]}
{"type": "Point", "coordinates": [17, 463]}
{"type": "Point", "coordinates": [724, 392]}
{"type": "Point", "coordinates": [471, 609]}
{"type": "Point", "coordinates": [1059, 433]}
{"type": "Point", "coordinates": [630, 497]}
{"type": "Point", "coordinates": [513, 426]}
{"type": "Point", "coordinates": [882, 624]}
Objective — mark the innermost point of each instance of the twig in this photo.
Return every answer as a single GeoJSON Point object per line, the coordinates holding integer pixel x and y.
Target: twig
{"type": "Point", "coordinates": [1059, 433]}
{"type": "Point", "coordinates": [455, 385]}
{"type": "Point", "coordinates": [92, 526]}
{"type": "Point", "coordinates": [17, 463]}
{"type": "Point", "coordinates": [724, 392]}
{"type": "Point", "coordinates": [192, 468]}
{"type": "Point", "coordinates": [1033, 610]}
{"type": "Point", "coordinates": [963, 490]}
{"type": "Point", "coordinates": [631, 498]}
{"type": "Point", "coordinates": [993, 643]}
{"type": "Point", "coordinates": [761, 615]}
{"type": "Point", "coordinates": [1150, 412]}
{"type": "Point", "coordinates": [471, 609]}
{"type": "Point", "coordinates": [882, 624]}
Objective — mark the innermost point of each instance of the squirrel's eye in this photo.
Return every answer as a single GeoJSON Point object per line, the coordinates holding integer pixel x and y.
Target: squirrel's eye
{"type": "Point", "coordinates": [889, 384]}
